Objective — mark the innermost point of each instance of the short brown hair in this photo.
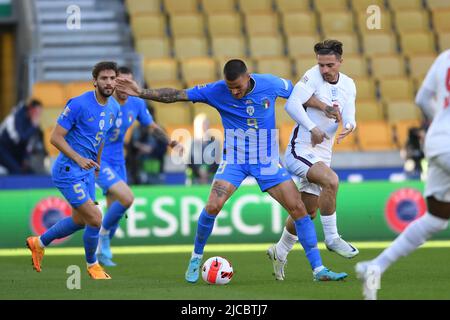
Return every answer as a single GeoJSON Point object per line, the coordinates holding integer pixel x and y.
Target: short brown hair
{"type": "Point", "coordinates": [329, 47]}
{"type": "Point", "coordinates": [104, 65]}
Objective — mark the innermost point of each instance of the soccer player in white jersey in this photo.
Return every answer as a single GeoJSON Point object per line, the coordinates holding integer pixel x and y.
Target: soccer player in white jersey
{"type": "Point", "coordinates": [308, 154]}
{"type": "Point", "coordinates": [434, 100]}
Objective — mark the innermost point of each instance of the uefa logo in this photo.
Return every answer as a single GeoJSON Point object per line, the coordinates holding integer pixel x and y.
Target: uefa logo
{"type": "Point", "coordinates": [47, 212]}
{"type": "Point", "coordinates": [403, 207]}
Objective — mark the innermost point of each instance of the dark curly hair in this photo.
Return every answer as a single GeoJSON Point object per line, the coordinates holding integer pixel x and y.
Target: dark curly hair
{"type": "Point", "coordinates": [104, 65]}
{"type": "Point", "coordinates": [329, 47]}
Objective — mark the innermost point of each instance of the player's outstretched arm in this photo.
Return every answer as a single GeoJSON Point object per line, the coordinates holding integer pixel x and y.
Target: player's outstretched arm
{"type": "Point", "coordinates": [58, 140]}
{"type": "Point", "coordinates": [166, 95]}
{"type": "Point", "coordinates": [161, 135]}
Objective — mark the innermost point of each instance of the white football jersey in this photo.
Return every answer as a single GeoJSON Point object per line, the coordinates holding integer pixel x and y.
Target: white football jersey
{"type": "Point", "coordinates": [437, 140]}
{"type": "Point", "coordinates": [341, 94]}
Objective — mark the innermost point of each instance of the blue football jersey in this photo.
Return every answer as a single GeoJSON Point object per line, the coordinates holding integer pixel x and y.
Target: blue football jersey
{"type": "Point", "coordinates": [87, 123]}
{"type": "Point", "coordinates": [134, 109]}
{"type": "Point", "coordinates": [254, 115]}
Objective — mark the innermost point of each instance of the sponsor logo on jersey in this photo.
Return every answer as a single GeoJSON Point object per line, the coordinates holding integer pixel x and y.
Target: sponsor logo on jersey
{"type": "Point", "coordinates": [304, 79]}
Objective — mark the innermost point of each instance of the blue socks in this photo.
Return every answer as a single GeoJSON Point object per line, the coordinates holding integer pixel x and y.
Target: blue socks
{"type": "Point", "coordinates": [61, 229]}
{"type": "Point", "coordinates": [308, 239]}
{"type": "Point", "coordinates": [205, 226]}
{"type": "Point", "coordinates": [90, 239]}
{"type": "Point", "coordinates": [113, 216]}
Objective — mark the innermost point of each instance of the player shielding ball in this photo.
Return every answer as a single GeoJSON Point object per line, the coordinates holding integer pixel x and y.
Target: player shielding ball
{"type": "Point", "coordinates": [433, 94]}
{"type": "Point", "coordinates": [246, 104]}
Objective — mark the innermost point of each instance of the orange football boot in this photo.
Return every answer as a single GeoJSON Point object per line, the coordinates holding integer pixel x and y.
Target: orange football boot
{"type": "Point", "coordinates": [37, 253]}
{"type": "Point", "coordinates": [96, 272]}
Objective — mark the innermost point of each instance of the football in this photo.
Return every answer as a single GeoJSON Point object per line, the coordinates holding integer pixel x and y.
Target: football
{"type": "Point", "coordinates": [217, 270]}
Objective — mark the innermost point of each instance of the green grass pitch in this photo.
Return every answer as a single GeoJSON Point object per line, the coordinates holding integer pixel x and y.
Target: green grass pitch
{"type": "Point", "coordinates": [422, 275]}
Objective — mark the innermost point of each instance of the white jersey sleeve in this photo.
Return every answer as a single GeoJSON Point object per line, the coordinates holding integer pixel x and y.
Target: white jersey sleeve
{"type": "Point", "coordinates": [349, 110]}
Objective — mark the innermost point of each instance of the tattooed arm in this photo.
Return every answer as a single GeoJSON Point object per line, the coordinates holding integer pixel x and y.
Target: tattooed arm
{"type": "Point", "coordinates": [166, 95]}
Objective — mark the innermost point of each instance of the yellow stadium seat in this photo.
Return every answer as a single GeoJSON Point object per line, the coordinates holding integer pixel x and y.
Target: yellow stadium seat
{"type": "Point", "coordinates": [154, 48]}
{"type": "Point", "coordinates": [420, 64]}
{"type": "Point", "coordinates": [354, 65]}
{"type": "Point", "coordinates": [215, 6]}
{"type": "Point", "coordinates": [438, 4]}
{"type": "Point", "coordinates": [261, 24]}
{"type": "Point", "coordinates": [51, 94]}
{"type": "Point", "coordinates": [177, 6]}
{"type": "Point", "coordinates": [349, 143]}
{"type": "Point", "coordinates": [411, 21]}
{"type": "Point", "coordinates": [221, 24]}
{"type": "Point", "coordinates": [375, 136]}
{"type": "Point", "coordinates": [183, 133]}
{"type": "Point", "coordinates": [379, 43]}
{"type": "Point", "coordinates": [175, 84]}
{"type": "Point", "coordinates": [303, 64]}
{"type": "Point", "coordinates": [417, 42]}
{"type": "Point", "coordinates": [368, 110]}
{"type": "Point", "coordinates": [51, 149]}
{"type": "Point", "coordinates": [441, 20]}
{"type": "Point", "coordinates": [266, 46]}
{"type": "Point", "coordinates": [148, 26]}
{"type": "Point", "coordinates": [140, 7]}
{"type": "Point", "coordinates": [444, 41]}
{"type": "Point", "coordinates": [187, 25]}
{"type": "Point", "coordinates": [281, 116]}
{"type": "Point", "coordinates": [49, 116]}
{"type": "Point", "coordinates": [397, 88]}
{"type": "Point", "coordinates": [211, 113]}
{"type": "Point", "coordinates": [299, 22]}
{"type": "Point", "coordinates": [165, 113]}
{"type": "Point", "coordinates": [301, 44]}
{"type": "Point", "coordinates": [362, 5]}
{"type": "Point", "coordinates": [280, 66]}
{"type": "Point", "coordinates": [228, 46]}
{"type": "Point", "coordinates": [402, 130]}
{"type": "Point", "coordinates": [337, 22]}
{"type": "Point", "coordinates": [198, 70]}
{"type": "Point", "coordinates": [398, 5]}
{"type": "Point", "coordinates": [74, 89]}
{"type": "Point", "coordinates": [367, 23]}
{"type": "Point", "coordinates": [350, 42]}
{"type": "Point", "coordinates": [190, 47]}
{"type": "Point", "coordinates": [388, 66]}
{"type": "Point", "coordinates": [253, 6]}
{"type": "Point", "coordinates": [287, 6]}
{"type": "Point", "coordinates": [160, 70]}
{"type": "Point", "coordinates": [365, 88]}
{"type": "Point", "coordinates": [330, 5]}
{"type": "Point", "coordinates": [402, 110]}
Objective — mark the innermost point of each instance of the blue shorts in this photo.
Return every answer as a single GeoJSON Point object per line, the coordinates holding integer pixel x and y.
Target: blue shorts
{"type": "Point", "coordinates": [76, 185]}
{"type": "Point", "coordinates": [267, 176]}
{"type": "Point", "coordinates": [111, 174]}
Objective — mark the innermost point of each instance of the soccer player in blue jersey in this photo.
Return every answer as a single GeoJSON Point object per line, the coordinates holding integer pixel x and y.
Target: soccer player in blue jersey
{"type": "Point", "coordinates": [112, 177]}
{"type": "Point", "coordinates": [246, 104]}
{"type": "Point", "coordinates": [79, 136]}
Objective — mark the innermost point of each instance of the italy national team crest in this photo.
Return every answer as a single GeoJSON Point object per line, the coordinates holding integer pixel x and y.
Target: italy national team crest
{"type": "Point", "coordinates": [250, 110]}
{"type": "Point", "coordinates": [266, 103]}
{"type": "Point", "coordinates": [130, 117]}
{"type": "Point", "coordinates": [403, 207]}
{"type": "Point", "coordinates": [101, 124]}
{"type": "Point", "coordinates": [47, 212]}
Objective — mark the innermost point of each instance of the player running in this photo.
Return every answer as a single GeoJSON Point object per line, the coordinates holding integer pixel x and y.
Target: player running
{"type": "Point", "coordinates": [246, 104]}
{"type": "Point", "coordinates": [309, 152]}
{"type": "Point", "coordinates": [112, 177]}
{"type": "Point", "coordinates": [79, 136]}
{"type": "Point", "coordinates": [434, 100]}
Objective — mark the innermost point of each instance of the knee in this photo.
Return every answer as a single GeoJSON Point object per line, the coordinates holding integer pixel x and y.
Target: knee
{"type": "Point", "coordinates": [297, 210]}
{"type": "Point", "coordinates": [332, 182]}
{"type": "Point", "coordinates": [127, 201]}
{"type": "Point", "coordinates": [95, 222]}
{"type": "Point", "coordinates": [213, 207]}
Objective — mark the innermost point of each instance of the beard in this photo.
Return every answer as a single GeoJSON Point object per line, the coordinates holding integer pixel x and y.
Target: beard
{"type": "Point", "coordinates": [105, 92]}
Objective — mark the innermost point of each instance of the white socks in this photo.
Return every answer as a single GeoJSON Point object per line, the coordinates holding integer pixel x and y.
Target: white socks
{"type": "Point", "coordinates": [285, 244]}
{"type": "Point", "coordinates": [103, 232]}
{"type": "Point", "coordinates": [40, 243]}
{"type": "Point", "coordinates": [411, 238]}
{"type": "Point", "coordinates": [196, 255]}
{"type": "Point", "coordinates": [329, 227]}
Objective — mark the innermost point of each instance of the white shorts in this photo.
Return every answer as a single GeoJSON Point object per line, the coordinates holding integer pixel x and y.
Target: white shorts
{"type": "Point", "coordinates": [438, 179]}
{"type": "Point", "coordinates": [298, 163]}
